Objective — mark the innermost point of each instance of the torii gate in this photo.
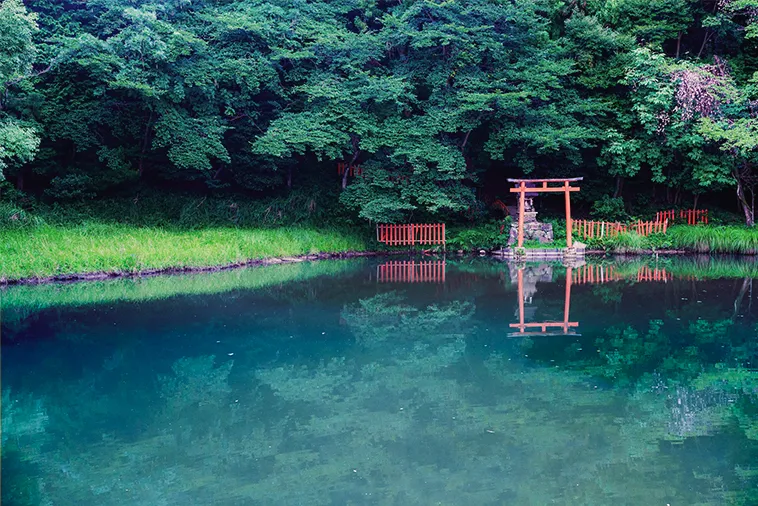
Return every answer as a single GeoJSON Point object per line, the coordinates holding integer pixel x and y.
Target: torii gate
{"type": "Point", "coordinates": [522, 190]}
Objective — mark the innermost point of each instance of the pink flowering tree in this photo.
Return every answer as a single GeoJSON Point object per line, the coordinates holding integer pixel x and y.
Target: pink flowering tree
{"type": "Point", "coordinates": [668, 99]}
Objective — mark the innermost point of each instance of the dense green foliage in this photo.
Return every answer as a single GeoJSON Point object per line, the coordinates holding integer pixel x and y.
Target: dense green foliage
{"type": "Point", "coordinates": [437, 101]}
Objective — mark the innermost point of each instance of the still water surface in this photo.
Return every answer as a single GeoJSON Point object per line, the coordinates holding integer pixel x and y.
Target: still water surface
{"type": "Point", "coordinates": [346, 383]}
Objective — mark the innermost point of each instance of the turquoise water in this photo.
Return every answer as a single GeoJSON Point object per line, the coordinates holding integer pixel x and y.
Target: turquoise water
{"type": "Point", "coordinates": [333, 383]}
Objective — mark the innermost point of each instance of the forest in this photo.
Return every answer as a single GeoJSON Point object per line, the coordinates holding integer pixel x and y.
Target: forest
{"type": "Point", "coordinates": [654, 102]}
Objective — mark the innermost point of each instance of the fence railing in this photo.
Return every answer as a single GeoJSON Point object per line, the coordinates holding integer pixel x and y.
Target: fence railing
{"type": "Point", "coordinates": [411, 272]}
{"type": "Point", "coordinates": [649, 227]}
{"type": "Point", "coordinates": [410, 234]}
{"type": "Point", "coordinates": [587, 229]}
{"type": "Point", "coordinates": [354, 169]}
{"type": "Point", "coordinates": [591, 229]}
{"type": "Point", "coordinates": [690, 216]}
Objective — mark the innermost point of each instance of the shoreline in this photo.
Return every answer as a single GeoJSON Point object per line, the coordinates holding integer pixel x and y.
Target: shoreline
{"type": "Point", "coordinates": [105, 275]}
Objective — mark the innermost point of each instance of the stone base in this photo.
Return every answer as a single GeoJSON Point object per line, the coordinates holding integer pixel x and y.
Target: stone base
{"type": "Point", "coordinates": [533, 231]}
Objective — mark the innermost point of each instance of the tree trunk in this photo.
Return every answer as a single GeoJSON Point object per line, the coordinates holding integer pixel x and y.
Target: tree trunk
{"type": "Point", "coordinates": [20, 180]}
{"type": "Point", "coordinates": [619, 186]}
{"type": "Point", "coordinates": [289, 177]}
{"type": "Point", "coordinates": [697, 197]}
{"type": "Point", "coordinates": [356, 153]}
{"type": "Point", "coordinates": [145, 140]}
{"type": "Point", "coordinates": [678, 45]}
{"type": "Point", "coordinates": [702, 46]}
{"type": "Point", "coordinates": [746, 208]}
{"type": "Point", "coordinates": [746, 284]}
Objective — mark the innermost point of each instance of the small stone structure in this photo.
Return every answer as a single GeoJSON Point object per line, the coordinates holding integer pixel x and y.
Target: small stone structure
{"type": "Point", "coordinates": [533, 229]}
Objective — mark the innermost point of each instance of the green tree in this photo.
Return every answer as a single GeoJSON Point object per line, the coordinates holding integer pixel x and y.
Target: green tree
{"type": "Point", "coordinates": [18, 135]}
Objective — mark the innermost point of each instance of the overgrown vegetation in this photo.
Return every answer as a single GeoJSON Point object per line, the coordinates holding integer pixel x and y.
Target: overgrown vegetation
{"type": "Point", "coordinates": [724, 239]}
{"type": "Point", "coordinates": [489, 236]}
{"type": "Point", "coordinates": [49, 250]}
{"type": "Point", "coordinates": [696, 239]}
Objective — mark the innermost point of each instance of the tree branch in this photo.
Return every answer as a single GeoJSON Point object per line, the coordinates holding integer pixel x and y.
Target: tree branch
{"type": "Point", "coordinates": [29, 76]}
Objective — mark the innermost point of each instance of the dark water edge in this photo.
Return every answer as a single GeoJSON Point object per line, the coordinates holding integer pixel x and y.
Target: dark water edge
{"type": "Point", "coordinates": [336, 383]}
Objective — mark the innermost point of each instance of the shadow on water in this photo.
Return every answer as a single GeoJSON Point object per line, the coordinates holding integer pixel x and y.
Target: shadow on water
{"type": "Point", "coordinates": [418, 381]}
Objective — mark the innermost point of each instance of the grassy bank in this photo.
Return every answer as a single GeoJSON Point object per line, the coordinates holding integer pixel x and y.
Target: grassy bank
{"type": "Point", "coordinates": [51, 250]}
{"type": "Point", "coordinates": [725, 239]}
{"type": "Point", "coordinates": [695, 239]}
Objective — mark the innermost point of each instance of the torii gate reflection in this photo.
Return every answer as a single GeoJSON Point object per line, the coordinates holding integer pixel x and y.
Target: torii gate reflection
{"type": "Point", "coordinates": [561, 328]}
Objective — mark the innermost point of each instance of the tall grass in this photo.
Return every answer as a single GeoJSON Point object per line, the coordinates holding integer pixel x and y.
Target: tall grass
{"type": "Point", "coordinates": [710, 239]}
{"type": "Point", "coordinates": [625, 242]}
{"type": "Point", "coordinates": [48, 250]}
{"type": "Point", "coordinates": [699, 239]}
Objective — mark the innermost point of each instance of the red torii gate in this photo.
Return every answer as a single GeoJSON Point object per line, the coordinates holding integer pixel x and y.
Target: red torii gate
{"type": "Point", "coordinates": [522, 189]}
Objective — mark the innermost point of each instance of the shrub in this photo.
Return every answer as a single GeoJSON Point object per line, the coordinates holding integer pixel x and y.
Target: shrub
{"type": "Point", "coordinates": [486, 237]}
{"type": "Point", "coordinates": [70, 187]}
{"type": "Point", "coordinates": [12, 216]}
{"type": "Point", "coordinates": [610, 209]}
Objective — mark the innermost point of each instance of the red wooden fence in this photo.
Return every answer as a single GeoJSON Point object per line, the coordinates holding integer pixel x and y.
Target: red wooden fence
{"type": "Point", "coordinates": [691, 216]}
{"type": "Point", "coordinates": [649, 227]}
{"type": "Point", "coordinates": [354, 170]}
{"type": "Point", "coordinates": [592, 229]}
{"type": "Point", "coordinates": [410, 234]}
{"type": "Point", "coordinates": [595, 229]}
{"type": "Point", "coordinates": [411, 272]}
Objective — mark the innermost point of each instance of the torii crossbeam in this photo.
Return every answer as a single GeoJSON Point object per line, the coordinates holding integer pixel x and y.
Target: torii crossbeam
{"type": "Point", "coordinates": [540, 186]}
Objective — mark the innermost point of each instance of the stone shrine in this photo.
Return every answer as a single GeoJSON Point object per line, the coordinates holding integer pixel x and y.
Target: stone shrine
{"type": "Point", "coordinates": [533, 229]}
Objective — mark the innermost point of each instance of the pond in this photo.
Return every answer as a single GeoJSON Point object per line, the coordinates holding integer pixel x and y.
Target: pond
{"type": "Point", "coordinates": [388, 381]}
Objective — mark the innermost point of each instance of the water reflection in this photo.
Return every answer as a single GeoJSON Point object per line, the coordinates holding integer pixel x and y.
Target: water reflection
{"type": "Point", "coordinates": [411, 271]}
{"type": "Point", "coordinates": [526, 281]}
{"type": "Point", "coordinates": [335, 389]}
